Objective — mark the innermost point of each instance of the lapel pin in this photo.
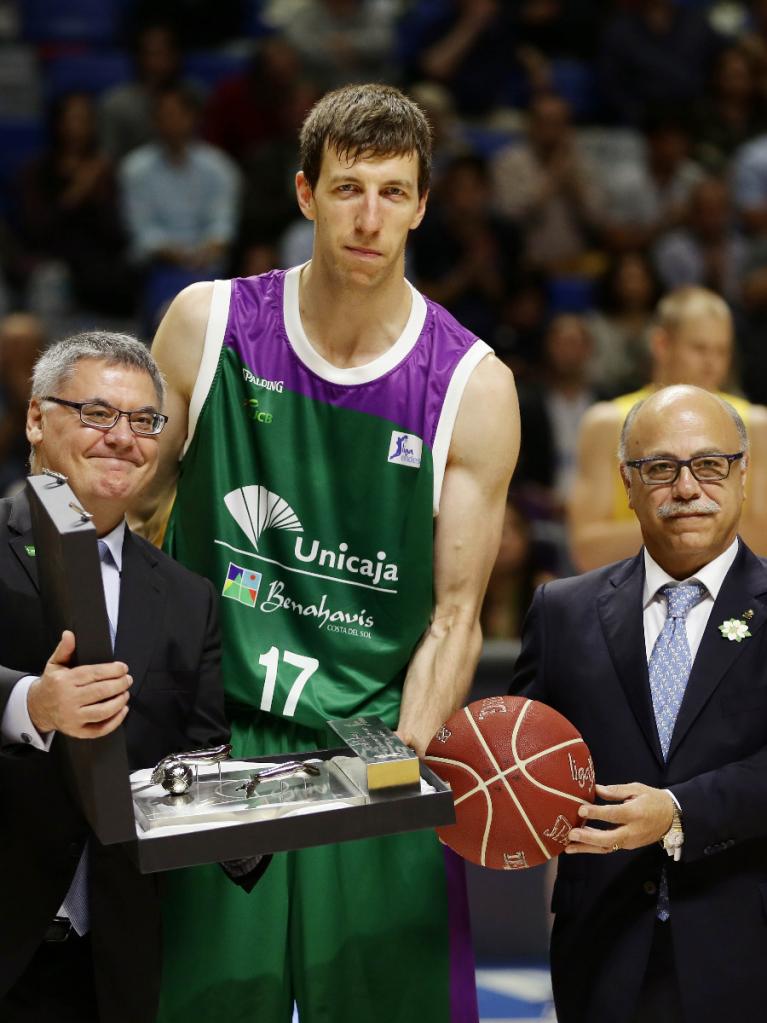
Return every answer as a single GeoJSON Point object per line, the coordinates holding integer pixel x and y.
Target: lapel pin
{"type": "Point", "coordinates": [30, 549]}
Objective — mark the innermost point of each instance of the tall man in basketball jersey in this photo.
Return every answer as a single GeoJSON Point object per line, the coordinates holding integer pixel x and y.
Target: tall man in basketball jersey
{"type": "Point", "coordinates": [692, 343]}
{"type": "Point", "coordinates": [345, 449]}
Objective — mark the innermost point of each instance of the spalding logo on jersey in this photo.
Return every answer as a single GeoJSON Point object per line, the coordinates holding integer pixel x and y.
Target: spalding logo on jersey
{"type": "Point", "coordinates": [405, 449]}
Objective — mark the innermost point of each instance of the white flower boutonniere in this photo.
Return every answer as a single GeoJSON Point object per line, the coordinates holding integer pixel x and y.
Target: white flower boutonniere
{"type": "Point", "coordinates": [736, 629]}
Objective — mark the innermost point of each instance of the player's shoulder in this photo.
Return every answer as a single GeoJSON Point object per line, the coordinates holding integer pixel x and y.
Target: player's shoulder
{"type": "Point", "coordinates": [757, 418]}
{"type": "Point", "coordinates": [491, 381]}
{"type": "Point", "coordinates": [603, 415]}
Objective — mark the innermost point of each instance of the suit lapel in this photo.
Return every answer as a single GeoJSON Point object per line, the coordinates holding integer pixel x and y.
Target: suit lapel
{"type": "Point", "coordinates": [744, 588]}
{"type": "Point", "coordinates": [21, 539]}
{"type": "Point", "coordinates": [142, 600]}
{"type": "Point", "coordinates": [620, 614]}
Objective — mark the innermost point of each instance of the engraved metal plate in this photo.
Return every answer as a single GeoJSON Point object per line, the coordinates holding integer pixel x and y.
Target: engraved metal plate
{"type": "Point", "coordinates": [390, 763]}
{"type": "Point", "coordinates": [210, 799]}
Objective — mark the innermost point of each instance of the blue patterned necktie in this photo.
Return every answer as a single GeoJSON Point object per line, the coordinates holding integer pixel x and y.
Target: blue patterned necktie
{"type": "Point", "coordinates": [669, 668]}
{"type": "Point", "coordinates": [670, 661]}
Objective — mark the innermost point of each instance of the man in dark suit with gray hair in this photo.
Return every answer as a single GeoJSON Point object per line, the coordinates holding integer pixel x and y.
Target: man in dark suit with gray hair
{"type": "Point", "coordinates": [80, 939]}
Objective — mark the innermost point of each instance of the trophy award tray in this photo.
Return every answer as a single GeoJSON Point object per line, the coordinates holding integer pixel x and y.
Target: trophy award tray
{"type": "Point", "coordinates": [370, 785]}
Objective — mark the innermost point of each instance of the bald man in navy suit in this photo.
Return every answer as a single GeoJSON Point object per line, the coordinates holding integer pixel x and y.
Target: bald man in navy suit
{"type": "Point", "coordinates": [661, 662]}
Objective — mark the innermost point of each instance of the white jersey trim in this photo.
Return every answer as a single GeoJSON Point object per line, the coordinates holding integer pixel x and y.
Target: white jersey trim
{"type": "Point", "coordinates": [347, 376]}
{"type": "Point", "coordinates": [447, 417]}
{"type": "Point", "coordinates": [218, 317]}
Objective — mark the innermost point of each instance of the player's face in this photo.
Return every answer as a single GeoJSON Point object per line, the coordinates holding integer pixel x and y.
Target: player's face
{"type": "Point", "coordinates": [105, 467]}
{"type": "Point", "coordinates": [363, 211]}
{"type": "Point", "coordinates": [687, 519]}
{"type": "Point", "coordinates": [699, 352]}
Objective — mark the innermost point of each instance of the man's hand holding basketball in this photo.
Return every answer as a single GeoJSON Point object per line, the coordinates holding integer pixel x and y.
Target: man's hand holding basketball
{"type": "Point", "coordinates": [85, 702]}
{"type": "Point", "coordinates": [639, 815]}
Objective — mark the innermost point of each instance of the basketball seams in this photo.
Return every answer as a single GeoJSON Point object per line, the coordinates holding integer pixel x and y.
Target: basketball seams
{"type": "Point", "coordinates": [547, 788]}
{"type": "Point", "coordinates": [522, 764]}
{"type": "Point", "coordinates": [497, 767]}
{"type": "Point", "coordinates": [481, 787]}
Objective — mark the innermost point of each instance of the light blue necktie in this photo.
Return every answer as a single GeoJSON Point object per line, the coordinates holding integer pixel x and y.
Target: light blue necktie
{"type": "Point", "coordinates": [669, 668]}
{"type": "Point", "coordinates": [670, 661]}
{"type": "Point", "coordinates": [109, 563]}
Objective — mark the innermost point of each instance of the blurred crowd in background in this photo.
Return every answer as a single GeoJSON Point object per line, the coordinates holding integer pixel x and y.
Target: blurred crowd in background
{"type": "Point", "coordinates": [590, 156]}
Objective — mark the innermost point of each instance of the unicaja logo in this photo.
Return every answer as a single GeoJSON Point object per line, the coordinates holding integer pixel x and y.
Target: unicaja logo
{"type": "Point", "coordinates": [405, 449]}
{"type": "Point", "coordinates": [256, 509]}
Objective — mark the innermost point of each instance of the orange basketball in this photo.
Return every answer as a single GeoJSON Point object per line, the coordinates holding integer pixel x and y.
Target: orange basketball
{"type": "Point", "coordinates": [519, 771]}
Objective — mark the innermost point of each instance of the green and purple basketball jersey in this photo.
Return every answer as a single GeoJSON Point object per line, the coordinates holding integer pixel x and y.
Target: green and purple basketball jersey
{"type": "Point", "coordinates": [307, 493]}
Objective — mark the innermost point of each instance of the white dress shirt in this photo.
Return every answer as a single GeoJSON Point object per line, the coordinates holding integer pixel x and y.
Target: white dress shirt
{"type": "Point", "coordinates": [654, 603]}
{"type": "Point", "coordinates": [16, 725]}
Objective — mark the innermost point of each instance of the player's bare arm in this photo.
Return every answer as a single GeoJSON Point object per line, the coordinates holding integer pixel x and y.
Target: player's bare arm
{"type": "Point", "coordinates": [753, 523]}
{"type": "Point", "coordinates": [177, 348]}
{"type": "Point", "coordinates": [482, 457]}
{"type": "Point", "coordinates": [596, 537]}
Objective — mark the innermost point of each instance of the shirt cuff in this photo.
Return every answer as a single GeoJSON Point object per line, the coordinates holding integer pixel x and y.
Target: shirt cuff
{"type": "Point", "coordinates": [678, 805]}
{"type": "Point", "coordinates": [16, 727]}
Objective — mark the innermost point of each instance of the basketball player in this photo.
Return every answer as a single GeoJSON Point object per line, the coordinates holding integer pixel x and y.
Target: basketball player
{"type": "Point", "coordinates": [345, 449]}
{"type": "Point", "coordinates": [691, 344]}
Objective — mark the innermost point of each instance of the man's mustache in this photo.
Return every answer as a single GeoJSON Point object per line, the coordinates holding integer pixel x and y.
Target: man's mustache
{"type": "Point", "coordinates": [673, 509]}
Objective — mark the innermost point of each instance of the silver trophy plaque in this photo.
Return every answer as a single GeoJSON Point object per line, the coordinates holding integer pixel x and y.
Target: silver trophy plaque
{"type": "Point", "coordinates": [389, 762]}
{"type": "Point", "coordinates": [238, 794]}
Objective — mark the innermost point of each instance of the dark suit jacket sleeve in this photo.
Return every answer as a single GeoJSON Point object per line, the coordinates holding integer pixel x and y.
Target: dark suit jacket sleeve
{"type": "Point", "coordinates": [724, 807]}
{"type": "Point", "coordinates": [529, 673]}
{"type": "Point", "coordinates": [207, 725]}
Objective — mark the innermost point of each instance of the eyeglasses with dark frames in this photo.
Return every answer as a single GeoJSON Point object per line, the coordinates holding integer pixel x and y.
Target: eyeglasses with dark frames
{"type": "Point", "coordinates": [143, 422]}
{"type": "Point", "coordinates": [663, 471]}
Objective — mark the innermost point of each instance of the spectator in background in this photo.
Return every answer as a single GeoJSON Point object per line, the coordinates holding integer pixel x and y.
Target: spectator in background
{"type": "Point", "coordinates": [692, 343]}
{"type": "Point", "coordinates": [465, 45]}
{"type": "Point", "coordinates": [464, 256]}
{"type": "Point", "coordinates": [524, 317]}
{"type": "Point", "coordinates": [706, 250]}
{"type": "Point", "coordinates": [731, 112]}
{"type": "Point", "coordinates": [248, 110]}
{"type": "Point", "coordinates": [620, 325]}
{"type": "Point", "coordinates": [520, 567]}
{"type": "Point", "coordinates": [269, 190]}
{"type": "Point", "coordinates": [126, 111]}
{"type": "Point", "coordinates": [339, 41]}
{"type": "Point", "coordinates": [551, 410]}
{"type": "Point", "coordinates": [653, 53]}
{"type": "Point", "coordinates": [749, 186]}
{"type": "Point", "coordinates": [22, 339]}
{"type": "Point", "coordinates": [546, 186]}
{"type": "Point", "coordinates": [448, 140]}
{"type": "Point", "coordinates": [648, 198]}
{"type": "Point", "coordinates": [753, 42]}
{"type": "Point", "coordinates": [180, 194]}
{"type": "Point", "coordinates": [69, 218]}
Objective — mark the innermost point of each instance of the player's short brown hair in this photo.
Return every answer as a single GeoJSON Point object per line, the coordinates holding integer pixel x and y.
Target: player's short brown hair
{"type": "Point", "coordinates": [366, 120]}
